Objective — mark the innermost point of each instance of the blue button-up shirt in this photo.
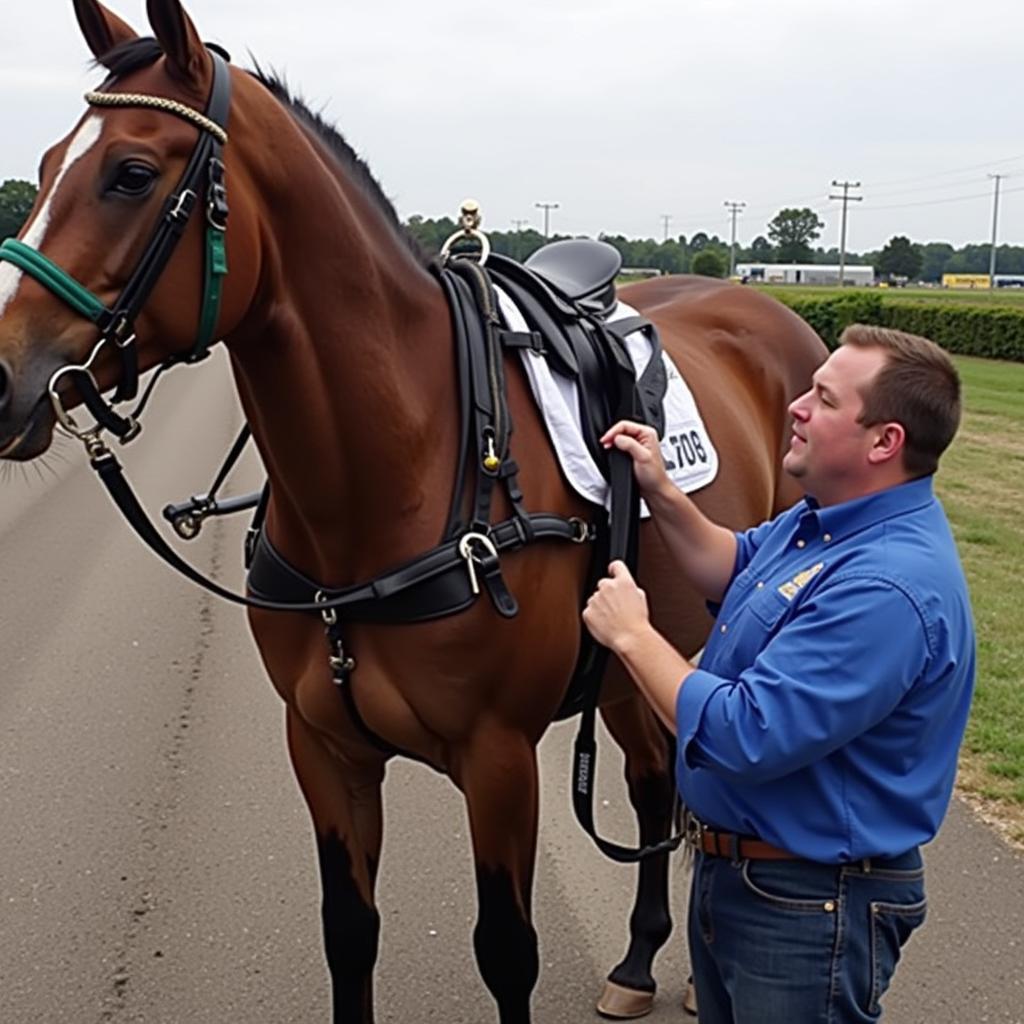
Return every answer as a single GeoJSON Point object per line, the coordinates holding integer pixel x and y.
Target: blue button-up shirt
{"type": "Point", "coordinates": [832, 696]}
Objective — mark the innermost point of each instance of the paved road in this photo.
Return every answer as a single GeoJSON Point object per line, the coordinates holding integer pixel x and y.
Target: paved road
{"type": "Point", "coordinates": [156, 863]}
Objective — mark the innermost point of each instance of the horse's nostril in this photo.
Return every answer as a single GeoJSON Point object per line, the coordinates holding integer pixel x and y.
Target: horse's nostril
{"type": "Point", "coordinates": [6, 385]}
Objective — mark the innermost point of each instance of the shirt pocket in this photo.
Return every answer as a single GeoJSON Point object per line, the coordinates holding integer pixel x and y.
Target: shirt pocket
{"type": "Point", "coordinates": [768, 606]}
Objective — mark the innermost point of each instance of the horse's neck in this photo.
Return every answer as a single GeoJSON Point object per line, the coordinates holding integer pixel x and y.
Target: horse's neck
{"type": "Point", "coordinates": [347, 374]}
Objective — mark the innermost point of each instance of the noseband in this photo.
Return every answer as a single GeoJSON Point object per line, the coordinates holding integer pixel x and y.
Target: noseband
{"type": "Point", "coordinates": [116, 323]}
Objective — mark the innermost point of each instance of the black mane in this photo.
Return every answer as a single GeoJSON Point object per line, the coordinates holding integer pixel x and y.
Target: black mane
{"type": "Point", "coordinates": [346, 155]}
{"type": "Point", "coordinates": [144, 51]}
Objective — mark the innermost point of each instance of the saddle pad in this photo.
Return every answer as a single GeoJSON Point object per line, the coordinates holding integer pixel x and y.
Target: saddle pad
{"type": "Point", "coordinates": [690, 457]}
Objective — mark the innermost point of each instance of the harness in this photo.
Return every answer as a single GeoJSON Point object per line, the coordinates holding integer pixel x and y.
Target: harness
{"type": "Point", "coordinates": [448, 578]}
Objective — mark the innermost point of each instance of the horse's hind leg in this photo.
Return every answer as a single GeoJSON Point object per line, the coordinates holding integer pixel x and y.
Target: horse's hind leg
{"type": "Point", "coordinates": [498, 775]}
{"type": "Point", "coordinates": [649, 754]}
{"type": "Point", "coordinates": [345, 802]}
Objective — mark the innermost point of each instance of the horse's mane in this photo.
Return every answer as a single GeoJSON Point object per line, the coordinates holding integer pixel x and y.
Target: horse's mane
{"type": "Point", "coordinates": [341, 150]}
{"type": "Point", "coordinates": [139, 53]}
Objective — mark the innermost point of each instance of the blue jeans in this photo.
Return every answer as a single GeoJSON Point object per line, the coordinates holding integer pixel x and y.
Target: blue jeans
{"type": "Point", "coordinates": [795, 942]}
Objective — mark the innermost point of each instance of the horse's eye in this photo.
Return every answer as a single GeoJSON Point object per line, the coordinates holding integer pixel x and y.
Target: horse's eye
{"type": "Point", "coordinates": [133, 179]}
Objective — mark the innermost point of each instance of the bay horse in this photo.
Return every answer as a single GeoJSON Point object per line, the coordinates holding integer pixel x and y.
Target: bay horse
{"type": "Point", "coordinates": [341, 344]}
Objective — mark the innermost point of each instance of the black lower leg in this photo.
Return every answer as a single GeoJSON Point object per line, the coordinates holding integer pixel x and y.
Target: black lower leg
{"type": "Point", "coordinates": [351, 933]}
{"type": "Point", "coordinates": [506, 945]}
{"type": "Point", "coordinates": [650, 924]}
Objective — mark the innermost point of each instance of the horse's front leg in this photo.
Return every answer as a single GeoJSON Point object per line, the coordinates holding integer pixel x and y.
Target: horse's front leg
{"type": "Point", "coordinates": [345, 802]}
{"type": "Point", "coordinates": [497, 772]}
{"type": "Point", "coordinates": [649, 754]}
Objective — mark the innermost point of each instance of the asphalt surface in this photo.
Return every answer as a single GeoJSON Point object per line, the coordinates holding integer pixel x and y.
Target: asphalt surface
{"type": "Point", "coordinates": [156, 862]}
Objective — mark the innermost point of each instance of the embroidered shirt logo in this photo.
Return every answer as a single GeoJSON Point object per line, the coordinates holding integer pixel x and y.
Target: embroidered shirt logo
{"type": "Point", "coordinates": [799, 581]}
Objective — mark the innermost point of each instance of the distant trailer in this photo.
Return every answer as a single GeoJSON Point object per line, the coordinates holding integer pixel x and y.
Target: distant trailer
{"type": "Point", "coordinates": [805, 273]}
{"type": "Point", "coordinates": [976, 281]}
{"type": "Point", "coordinates": [639, 272]}
{"type": "Point", "coordinates": [1009, 280]}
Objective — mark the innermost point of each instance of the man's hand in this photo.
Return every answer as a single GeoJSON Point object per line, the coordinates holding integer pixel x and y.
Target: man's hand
{"type": "Point", "coordinates": [641, 444]}
{"type": "Point", "coordinates": [617, 611]}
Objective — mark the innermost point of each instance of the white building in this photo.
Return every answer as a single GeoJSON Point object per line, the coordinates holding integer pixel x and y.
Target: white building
{"type": "Point", "coordinates": [805, 273]}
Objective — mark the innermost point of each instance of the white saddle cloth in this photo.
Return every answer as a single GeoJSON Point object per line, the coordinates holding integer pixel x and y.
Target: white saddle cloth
{"type": "Point", "coordinates": [690, 457]}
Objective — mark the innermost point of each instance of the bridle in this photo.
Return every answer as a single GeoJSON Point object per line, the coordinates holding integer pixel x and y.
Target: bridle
{"type": "Point", "coordinates": [116, 323]}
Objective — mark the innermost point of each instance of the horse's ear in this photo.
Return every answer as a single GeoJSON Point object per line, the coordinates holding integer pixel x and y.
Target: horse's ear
{"type": "Point", "coordinates": [187, 58]}
{"type": "Point", "coordinates": [103, 29]}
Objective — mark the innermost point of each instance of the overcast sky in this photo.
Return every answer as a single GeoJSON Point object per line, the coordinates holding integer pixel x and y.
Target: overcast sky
{"type": "Point", "coordinates": [621, 111]}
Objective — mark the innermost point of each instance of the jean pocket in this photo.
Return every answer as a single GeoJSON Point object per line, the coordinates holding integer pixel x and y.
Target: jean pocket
{"type": "Point", "coordinates": [807, 890]}
{"type": "Point", "coordinates": [891, 926]}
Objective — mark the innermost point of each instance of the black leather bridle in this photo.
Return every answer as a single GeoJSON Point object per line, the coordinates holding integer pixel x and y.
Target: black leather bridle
{"type": "Point", "coordinates": [116, 323]}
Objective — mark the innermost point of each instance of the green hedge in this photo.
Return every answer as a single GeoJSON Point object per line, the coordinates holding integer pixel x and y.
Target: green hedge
{"type": "Point", "coordinates": [966, 330]}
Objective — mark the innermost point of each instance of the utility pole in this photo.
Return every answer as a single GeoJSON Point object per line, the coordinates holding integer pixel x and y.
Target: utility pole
{"type": "Point", "coordinates": [995, 224]}
{"type": "Point", "coordinates": [547, 208]}
{"type": "Point", "coordinates": [846, 198]}
{"type": "Point", "coordinates": [665, 218]}
{"type": "Point", "coordinates": [518, 224]}
{"type": "Point", "coordinates": [734, 209]}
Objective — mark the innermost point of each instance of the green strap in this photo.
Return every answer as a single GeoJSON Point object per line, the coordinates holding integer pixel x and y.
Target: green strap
{"type": "Point", "coordinates": [48, 274]}
{"type": "Point", "coordinates": [216, 269]}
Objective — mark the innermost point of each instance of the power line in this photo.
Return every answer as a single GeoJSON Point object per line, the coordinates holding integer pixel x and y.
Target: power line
{"type": "Point", "coordinates": [547, 208]}
{"type": "Point", "coordinates": [734, 209]}
{"type": "Point", "coordinates": [938, 202]}
{"type": "Point", "coordinates": [943, 174]}
{"type": "Point", "coordinates": [995, 223]}
{"type": "Point", "coordinates": [846, 199]}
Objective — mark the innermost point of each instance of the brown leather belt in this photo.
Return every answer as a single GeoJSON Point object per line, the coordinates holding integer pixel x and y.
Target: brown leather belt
{"type": "Point", "coordinates": [729, 844]}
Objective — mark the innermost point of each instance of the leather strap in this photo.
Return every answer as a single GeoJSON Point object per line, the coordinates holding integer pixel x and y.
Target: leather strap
{"type": "Point", "coordinates": [736, 847]}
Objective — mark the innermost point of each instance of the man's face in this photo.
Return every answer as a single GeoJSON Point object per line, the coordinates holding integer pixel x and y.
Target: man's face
{"type": "Point", "coordinates": [828, 451]}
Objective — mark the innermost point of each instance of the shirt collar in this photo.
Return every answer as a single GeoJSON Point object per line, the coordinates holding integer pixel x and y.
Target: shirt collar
{"type": "Point", "coordinates": [850, 517]}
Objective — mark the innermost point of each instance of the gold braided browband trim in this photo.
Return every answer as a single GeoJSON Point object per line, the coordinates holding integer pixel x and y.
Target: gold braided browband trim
{"type": "Point", "coordinates": [138, 99]}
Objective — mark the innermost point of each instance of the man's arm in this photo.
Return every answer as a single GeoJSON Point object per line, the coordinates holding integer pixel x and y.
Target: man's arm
{"type": "Point", "coordinates": [704, 551]}
{"type": "Point", "coordinates": [616, 615]}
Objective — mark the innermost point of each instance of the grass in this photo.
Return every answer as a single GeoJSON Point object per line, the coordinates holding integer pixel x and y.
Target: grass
{"type": "Point", "coordinates": [1006, 298]}
{"type": "Point", "coordinates": [981, 484]}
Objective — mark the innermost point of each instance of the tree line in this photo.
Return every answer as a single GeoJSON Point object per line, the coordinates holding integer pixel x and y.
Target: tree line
{"type": "Point", "coordinates": [789, 238]}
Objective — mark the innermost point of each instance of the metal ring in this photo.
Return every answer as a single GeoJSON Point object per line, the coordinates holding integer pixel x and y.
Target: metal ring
{"type": "Point", "coordinates": [462, 233]}
{"type": "Point", "coordinates": [582, 530]}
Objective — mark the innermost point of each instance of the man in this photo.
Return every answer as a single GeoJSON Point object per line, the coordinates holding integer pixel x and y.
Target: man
{"type": "Point", "coordinates": [817, 742]}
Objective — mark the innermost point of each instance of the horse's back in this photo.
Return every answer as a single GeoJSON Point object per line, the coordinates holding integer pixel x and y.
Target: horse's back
{"type": "Point", "coordinates": [745, 356]}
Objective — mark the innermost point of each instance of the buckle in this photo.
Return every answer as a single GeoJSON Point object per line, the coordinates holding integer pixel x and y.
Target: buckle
{"type": "Point", "coordinates": [475, 557]}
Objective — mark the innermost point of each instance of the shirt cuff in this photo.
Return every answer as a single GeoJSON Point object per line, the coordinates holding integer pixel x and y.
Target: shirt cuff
{"type": "Point", "coordinates": [691, 700]}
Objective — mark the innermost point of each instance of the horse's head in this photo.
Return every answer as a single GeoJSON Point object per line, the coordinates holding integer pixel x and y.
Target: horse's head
{"type": "Point", "coordinates": [88, 284]}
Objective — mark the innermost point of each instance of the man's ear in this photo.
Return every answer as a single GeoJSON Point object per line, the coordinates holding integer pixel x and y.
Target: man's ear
{"type": "Point", "coordinates": [890, 440]}
{"type": "Point", "coordinates": [187, 58]}
{"type": "Point", "coordinates": [103, 30]}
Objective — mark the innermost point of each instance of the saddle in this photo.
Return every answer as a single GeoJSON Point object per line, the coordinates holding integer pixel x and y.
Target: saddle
{"type": "Point", "coordinates": [566, 293]}
{"type": "Point", "coordinates": [582, 270]}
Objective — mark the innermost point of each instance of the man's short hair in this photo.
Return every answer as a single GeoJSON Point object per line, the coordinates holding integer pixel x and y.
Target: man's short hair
{"type": "Point", "coordinates": [917, 387]}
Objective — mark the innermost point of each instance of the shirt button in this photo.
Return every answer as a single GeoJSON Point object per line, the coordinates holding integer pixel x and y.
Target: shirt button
{"type": "Point", "coordinates": [801, 543]}
{"type": "Point", "coordinates": [760, 584]}
{"type": "Point", "coordinates": [724, 628]}
{"type": "Point", "coordinates": [827, 537]}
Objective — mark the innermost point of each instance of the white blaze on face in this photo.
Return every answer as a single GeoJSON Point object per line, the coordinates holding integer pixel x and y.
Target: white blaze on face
{"type": "Point", "coordinates": [10, 275]}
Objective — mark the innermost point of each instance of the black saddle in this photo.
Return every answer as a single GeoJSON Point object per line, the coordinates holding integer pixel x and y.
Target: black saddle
{"type": "Point", "coordinates": [582, 270]}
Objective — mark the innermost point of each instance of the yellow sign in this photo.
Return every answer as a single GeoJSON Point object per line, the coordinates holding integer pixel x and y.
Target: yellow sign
{"type": "Point", "coordinates": [980, 281]}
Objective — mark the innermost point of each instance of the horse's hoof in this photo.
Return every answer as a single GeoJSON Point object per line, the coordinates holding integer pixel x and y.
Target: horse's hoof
{"type": "Point", "coordinates": [690, 998]}
{"type": "Point", "coordinates": [621, 1003]}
